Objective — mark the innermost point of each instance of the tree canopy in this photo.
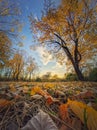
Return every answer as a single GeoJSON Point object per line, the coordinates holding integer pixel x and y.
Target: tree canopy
{"type": "Point", "coordinates": [9, 26]}
{"type": "Point", "coordinates": [72, 27]}
{"type": "Point", "coordinates": [9, 20]}
{"type": "Point", "coordinates": [5, 48]}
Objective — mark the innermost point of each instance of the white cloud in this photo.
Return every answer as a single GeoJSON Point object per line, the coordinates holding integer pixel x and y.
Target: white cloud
{"type": "Point", "coordinates": [45, 57]}
{"type": "Point", "coordinates": [57, 66]}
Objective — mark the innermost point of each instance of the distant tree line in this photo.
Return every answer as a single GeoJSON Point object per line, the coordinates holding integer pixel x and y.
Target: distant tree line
{"type": "Point", "coordinates": [92, 76]}
{"type": "Point", "coordinates": [18, 67]}
{"type": "Point", "coordinates": [48, 77]}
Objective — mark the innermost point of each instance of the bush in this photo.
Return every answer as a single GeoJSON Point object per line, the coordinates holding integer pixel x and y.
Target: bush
{"type": "Point", "coordinates": [71, 77]}
{"type": "Point", "coordinates": [93, 75]}
{"type": "Point", "coordinates": [38, 79]}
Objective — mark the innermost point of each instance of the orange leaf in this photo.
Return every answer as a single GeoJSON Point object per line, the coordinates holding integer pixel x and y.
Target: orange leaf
{"type": "Point", "coordinates": [83, 95]}
{"type": "Point", "coordinates": [49, 100]}
{"type": "Point", "coordinates": [4, 102]}
{"type": "Point", "coordinates": [63, 111]}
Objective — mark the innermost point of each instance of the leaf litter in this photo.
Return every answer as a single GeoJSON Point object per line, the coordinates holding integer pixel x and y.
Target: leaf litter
{"type": "Point", "coordinates": [71, 107]}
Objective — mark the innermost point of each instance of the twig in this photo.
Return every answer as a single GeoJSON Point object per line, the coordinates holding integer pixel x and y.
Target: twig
{"type": "Point", "coordinates": [4, 116]}
{"type": "Point", "coordinates": [60, 120]}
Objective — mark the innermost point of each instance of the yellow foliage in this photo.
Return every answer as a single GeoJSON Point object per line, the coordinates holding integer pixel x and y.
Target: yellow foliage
{"type": "Point", "coordinates": [77, 92]}
{"type": "Point", "coordinates": [49, 86]}
{"type": "Point", "coordinates": [12, 88]}
{"type": "Point", "coordinates": [20, 26]}
{"type": "Point", "coordinates": [35, 90]}
{"type": "Point", "coordinates": [12, 30]}
{"type": "Point", "coordinates": [72, 20]}
{"type": "Point", "coordinates": [79, 108]}
{"type": "Point", "coordinates": [5, 12]}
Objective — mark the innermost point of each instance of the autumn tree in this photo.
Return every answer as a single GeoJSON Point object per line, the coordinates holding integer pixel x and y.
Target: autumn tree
{"type": "Point", "coordinates": [5, 49]}
{"type": "Point", "coordinates": [9, 26]}
{"type": "Point", "coordinates": [9, 20]}
{"type": "Point", "coordinates": [71, 28]}
{"type": "Point", "coordinates": [16, 64]}
{"type": "Point", "coordinates": [47, 76]}
{"type": "Point", "coordinates": [31, 67]}
{"type": "Point", "coordinates": [55, 77]}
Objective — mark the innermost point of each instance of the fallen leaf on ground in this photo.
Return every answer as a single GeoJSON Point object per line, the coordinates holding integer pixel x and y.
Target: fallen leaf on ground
{"type": "Point", "coordinates": [63, 111]}
{"type": "Point", "coordinates": [76, 124]}
{"type": "Point", "coordinates": [83, 111]}
{"type": "Point", "coordinates": [4, 102]}
{"type": "Point", "coordinates": [41, 121]}
{"type": "Point", "coordinates": [12, 88]}
{"type": "Point", "coordinates": [82, 95]}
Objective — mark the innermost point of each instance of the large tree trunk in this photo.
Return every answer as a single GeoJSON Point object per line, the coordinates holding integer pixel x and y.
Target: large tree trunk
{"type": "Point", "coordinates": [75, 59]}
{"type": "Point", "coordinates": [75, 64]}
{"type": "Point", "coordinates": [78, 72]}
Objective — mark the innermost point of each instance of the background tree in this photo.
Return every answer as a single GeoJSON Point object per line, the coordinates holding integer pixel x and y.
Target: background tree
{"type": "Point", "coordinates": [19, 67]}
{"type": "Point", "coordinates": [71, 28]}
{"type": "Point", "coordinates": [9, 18]}
{"type": "Point", "coordinates": [46, 77]}
{"type": "Point", "coordinates": [9, 30]}
{"type": "Point", "coordinates": [31, 67]}
{"type": "Point", "coordinates": [16, 64]}
{"type": "Point", "coordinates": [55, 78]}
{"type": "Point", "coordinates": [5, 49]}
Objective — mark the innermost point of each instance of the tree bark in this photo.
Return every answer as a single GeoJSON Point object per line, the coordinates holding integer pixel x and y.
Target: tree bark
{"type": "Point", "coordinates": [75, 64]}
{"type": "Point", "coordinates": [78, 72]}
{"type": "Point", "coordinates": [77, 58]}
{"type": "Point", "coordinates": [74, 59]}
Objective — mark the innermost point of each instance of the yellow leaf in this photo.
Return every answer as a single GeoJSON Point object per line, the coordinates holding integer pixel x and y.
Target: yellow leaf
{"type": "Point", "coordinates": [12, 88]}
{"type": "Point", "coordinates": [79, 108]}
{"type": "Point", "coordinates": [12, 30]}
{"type": "Point", "coordinates": [32, 93]}
{"type": "Point", "coordinates": [35, 90]}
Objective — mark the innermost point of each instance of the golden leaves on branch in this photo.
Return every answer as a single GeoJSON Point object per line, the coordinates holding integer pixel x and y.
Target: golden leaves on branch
{"type": "Point", "coordinates": [12, 29]}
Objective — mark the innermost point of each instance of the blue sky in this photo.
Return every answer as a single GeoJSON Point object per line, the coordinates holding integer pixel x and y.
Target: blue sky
{"type": "Point", "coordinates": [47, 64]}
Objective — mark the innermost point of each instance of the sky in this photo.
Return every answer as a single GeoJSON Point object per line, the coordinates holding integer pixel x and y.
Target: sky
{"type": "Point", "coordinates": [44, 60]}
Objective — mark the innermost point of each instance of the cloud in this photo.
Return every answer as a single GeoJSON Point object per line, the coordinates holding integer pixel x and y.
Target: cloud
{"type": "Point", "coordinates": [57, 66]}
{"type": "Point", "coordinates": [45, 56]}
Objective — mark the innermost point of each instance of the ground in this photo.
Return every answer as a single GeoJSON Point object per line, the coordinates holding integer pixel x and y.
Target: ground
{"type": "Point", "coordinates": [65, 102]}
